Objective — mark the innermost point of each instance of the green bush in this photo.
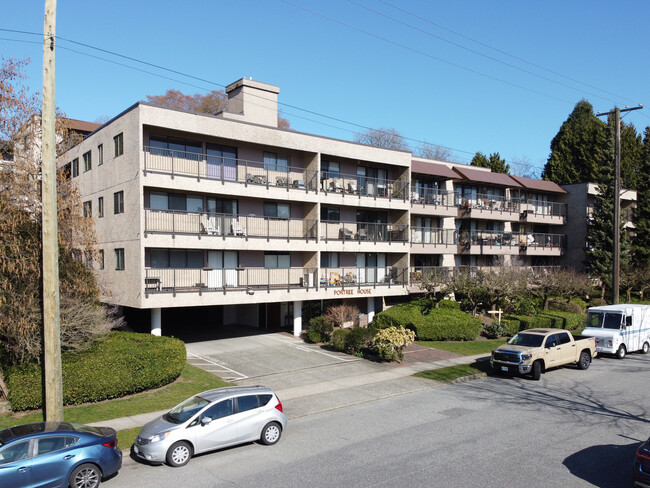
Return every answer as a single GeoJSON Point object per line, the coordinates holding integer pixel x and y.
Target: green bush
{"type": "Point", "coordinates": [524, 306]}
{"type": "Point", "coordinates": [556, 321]}
{"type": "Point", "coordinates": [581, 303]}
{"type": "Point", "coordinates": [121, 364]}
{"type": "Point", "coordinates": [512, 326]}
{"type": "Point", "coordinates": [389, 343]}
{"type": "Point", "coordinates": [444, 324]}
{"type": "Point", "coordinates": [495, 330]}
{"type": "Point", "coordinates": [320, 329]}
{"type": "Point", "coordinates": [597, 302]}
{"type": "Point", "coordinates": [404, 315]}
{"type": "Point", "coordinates": [570, 321]}
{"type": "Point", "coordinates": [449, 304]}
{"type": "Point", "coordinates": [359, 340]}
{"type": "Point", "coordinates": [338, 339]}
{"type": "Point", "coordinates": [531, 321]}
{"type": "Point", "coordinates": [564, 306]}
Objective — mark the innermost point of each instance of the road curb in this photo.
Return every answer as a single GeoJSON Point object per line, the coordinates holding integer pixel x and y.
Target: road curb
{"type": "Point", "coordinates": [470, 377]}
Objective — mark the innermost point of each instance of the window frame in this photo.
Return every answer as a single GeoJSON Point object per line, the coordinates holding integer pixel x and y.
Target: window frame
{"type": "Point", "coordinates": [87, 209]}
{"type": "Point", "coordinates": [119, 259]}
{"type": "Point", "coordinates": [75, 167]}
{"type": "Point", "coordinates": [100, 154]}
{"type": "Point", "coordinates": [100, 207]}
{"type": "Point", "coordinates": [118, 202]}
{"type": "Point", "coordinates": [88, 161]}
{"type": "Point", "coordinates": [118, 144]}
{"type": "Point", "coordinates": [100, 259]}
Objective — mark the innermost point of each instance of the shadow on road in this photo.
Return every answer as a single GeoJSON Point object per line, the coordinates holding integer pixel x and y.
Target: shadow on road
{"type": "Point", "coordinates": [604, 466]}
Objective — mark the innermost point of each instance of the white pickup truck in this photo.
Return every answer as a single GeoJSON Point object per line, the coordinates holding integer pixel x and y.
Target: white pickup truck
{"type": "Point", "coordinates": [534, 351]}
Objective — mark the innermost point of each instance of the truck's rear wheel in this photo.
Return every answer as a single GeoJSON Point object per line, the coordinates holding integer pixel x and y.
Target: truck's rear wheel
{"type": "Point", "coordinates": [584, 361]}
{"type": "Point", "coordinates": [537, 370]}
{"type": "Point", "coordinates": [645, 348]}
{"type": "Point", "coordinates": [620, 354]}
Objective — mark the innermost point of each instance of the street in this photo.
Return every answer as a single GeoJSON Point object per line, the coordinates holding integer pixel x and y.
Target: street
{"type": "Point", "coordinates": [571, 429]}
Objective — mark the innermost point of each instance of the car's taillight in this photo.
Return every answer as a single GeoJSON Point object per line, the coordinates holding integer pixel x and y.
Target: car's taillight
{"type": "Point", "coordinates": [112, 443]}
{"type": "Point", "coordinates": [642, 455]}
{"type": "Point", "coordinates": [279, 405]}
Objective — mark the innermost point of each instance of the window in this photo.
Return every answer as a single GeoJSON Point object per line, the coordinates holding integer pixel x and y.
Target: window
{"type": "Point", "coordinates": [119, 259]}
{"type": "Point", "coordinates": [88, 209]}
{"type": "Point", "coordinates": [275, 260]}
{"type": "Point", "coordinates": [330, 214]}
{"type": "Point", "coordinates": [88, 161]}
{"type": "Point", "coordinates": [176, 258]}
{"type": "Point", "coordinates": [248, 402]}
{"type": "Point", "coordinates": [329, 260]}
{"type": "Point", "coordinates": [100, 258]}
{"type": "Point", "coordinates": [118, 202]}
{"type": "Point", "coordinates": [14, 452]}
{"type": "Point", "coordinates": [75, 167]}
{"type": "Point", "coordinates": [276, 162]}
{"type": "Point", "coordinates": [100, 207]}
{"type": "Point", "coordinates": [118, 142]}
{"type": "Point", "coordinates": [47, 445]}
{"type": "Point", "coordinates": [100, 155]}
{"type": "Point", "coordinates": [219, 410]}
{"type": "Point", "coordinates": [178, 148]}
{"type": "Point", "coordinates": [279, 210]}
{"type": "Point", "coordinates": [330, 169]}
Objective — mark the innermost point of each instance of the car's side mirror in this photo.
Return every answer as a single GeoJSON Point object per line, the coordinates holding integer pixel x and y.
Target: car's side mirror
{"type": "Point", "coordinates": [206, 420]}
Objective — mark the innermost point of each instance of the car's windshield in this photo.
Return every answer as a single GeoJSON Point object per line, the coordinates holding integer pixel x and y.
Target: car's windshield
{"type": "Point", "coordinates": [183, 412]}
{"type": "Point", "coordinates": [605, 320]}
{"type": "Point", "coordinates": [530, 340]}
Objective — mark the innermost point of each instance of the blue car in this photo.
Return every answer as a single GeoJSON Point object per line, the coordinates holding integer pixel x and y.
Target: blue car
{"type": "Point", "coordinates": [57, 454]}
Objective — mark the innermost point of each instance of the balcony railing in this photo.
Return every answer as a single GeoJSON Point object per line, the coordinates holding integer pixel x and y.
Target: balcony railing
{"type": "Point", "coordinates": [228, 169]}
{"type": "Point", "coordinates": [537, 239]}
{"type": "Point", "coordinates": [431, 196]}
{"type": "Point", "coordinates": [552, 209]}
{"type": "Point", "coordinates": [444, 274]}
{"type": "Point", "coordinates": [173, 280]}
{"type": "Point", "coordinates": [488, 202]}
{"type": "Point", "coordinates": [180, 222]}
{"type": "Point", "coordinates": [363, 231]}
{"type": "Point", "coordinates": [429, 235]}
{"type": "Point", "coordinates": [363, 186]}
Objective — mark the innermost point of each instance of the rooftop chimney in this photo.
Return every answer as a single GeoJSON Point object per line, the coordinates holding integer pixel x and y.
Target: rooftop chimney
{"type": "Point", "coordinates": [253, 102]}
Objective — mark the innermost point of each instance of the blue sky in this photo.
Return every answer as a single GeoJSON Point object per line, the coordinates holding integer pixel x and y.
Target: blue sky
{"type": "Point", "coordinates": [471, 75]}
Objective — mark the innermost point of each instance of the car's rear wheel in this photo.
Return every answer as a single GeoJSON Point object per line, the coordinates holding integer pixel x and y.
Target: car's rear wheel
{"type": "Point", "coordinates": [179, 454]}
{"type": "Point", "coordinates": [645, 348]}
{"type": "Point", "coordinates": [584, 361]}
{"type": "Point", "coordinates": [271, 433]}
{"type": "Point", "coordinates": [620, 354]}
{"type": "Point", "coordinates": [86, 476]}
{"type": "Point", "coordinates": [537, 370]}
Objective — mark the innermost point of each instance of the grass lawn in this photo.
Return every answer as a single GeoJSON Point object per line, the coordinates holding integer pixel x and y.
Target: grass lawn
{"type": "Point", "coordinates": [453, 372]}
{"type": "Point", "coordinates": [465, 348]}
{"type": "Point", "coordinates": [192, 380]}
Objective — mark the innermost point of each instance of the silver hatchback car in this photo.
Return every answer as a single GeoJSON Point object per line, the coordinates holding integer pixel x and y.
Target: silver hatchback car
{"type": "Point", "coordinates": [211, 420]}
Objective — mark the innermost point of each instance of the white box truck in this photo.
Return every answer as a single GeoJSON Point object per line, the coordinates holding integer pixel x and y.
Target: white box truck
{"type": "Point", "coordinates": [619, 329]}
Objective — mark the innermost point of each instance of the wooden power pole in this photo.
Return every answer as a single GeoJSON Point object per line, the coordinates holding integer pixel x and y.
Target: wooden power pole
{"type": "Point", "coordinates": [51, 315]}
{"type": "Point", "coordinates": [616, 248]}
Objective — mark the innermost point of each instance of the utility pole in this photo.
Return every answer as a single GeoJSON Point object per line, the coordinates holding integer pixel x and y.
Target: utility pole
{"type": "Point", "coordinates": [51, 315]}
{"type": "Point", "coordinates": [616, 248]}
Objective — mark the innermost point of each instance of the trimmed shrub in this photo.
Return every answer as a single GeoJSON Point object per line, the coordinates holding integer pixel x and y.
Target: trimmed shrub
{"type": "Point", "coordinates": [531, 321]}
{"type": "Point", "coordinates": [512, 326]}
{"type": "Point", "coordinates": [449, 304]}
{"type": "Point", "coordinates": [564, 306]}
{"type": "Point", "coordinates": [121, 364]}
{"type": "Point", "coordinates": [570, 321]}
{"type": "Point", "coordinates": [389, 343]}
{"type": "Point", "coordinates": [320, 329]}
{"type": "Point", "coordinates": [338, 339]}
{"type": "Point", "coordinates": [581, 303]}
{"type": "Point", "coordinates": [495, 330]}
{"type": "Point", "coordinates": [557, 322]}
{"type": "Point", "coordinates": [359, 340]}
{"type": "Point", "coordinates": [447, 325]}
{"type": "Point", "coordinates": [597, 302]}
{"type": "Point", "coordinates": [404, 315]}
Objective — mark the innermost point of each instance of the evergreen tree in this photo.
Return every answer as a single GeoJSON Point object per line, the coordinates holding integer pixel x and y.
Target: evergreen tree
{"type": "Point", "coordinates": [579, 149]}
{"type": "Point", "coordinates": [495, 162]}
{"type": "Point", "coordinates": [631, 157]}
{"type": "Point", "coordinates": [641, 250]}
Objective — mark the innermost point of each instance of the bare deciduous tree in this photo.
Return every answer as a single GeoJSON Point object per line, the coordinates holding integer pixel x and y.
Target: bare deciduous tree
{"type": "Point", "coordinates": [341, 314]}
{"type": "Point", "coordinates": [433, 151]}
{"type": "Point", "coordinates": [386, 138]}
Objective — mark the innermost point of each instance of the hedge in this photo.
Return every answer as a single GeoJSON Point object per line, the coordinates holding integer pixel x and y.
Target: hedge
{"type": "Point", "coordinates": [531, 321]}
{"type": "Point", "coordinates": [512, 326]}
{"type": "Point", "coordinates": [445, 324]}
{"type": "Point", "coordinates": [570, 321]}
{"type": "Point", "coordinates": [121, 364]}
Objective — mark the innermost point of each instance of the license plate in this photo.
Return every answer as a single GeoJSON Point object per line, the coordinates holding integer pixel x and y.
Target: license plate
{"type": "Point", "coordinates": [504, 368]}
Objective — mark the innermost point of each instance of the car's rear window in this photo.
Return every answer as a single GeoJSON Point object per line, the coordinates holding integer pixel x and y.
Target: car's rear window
{"type": "Point", "coordinates": [264, 399]}
{"type": "Point", "coordinates": [248, 402]}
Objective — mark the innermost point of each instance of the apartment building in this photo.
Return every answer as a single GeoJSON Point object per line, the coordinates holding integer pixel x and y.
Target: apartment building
{"type": "Point", "coordinates": [263, 227]}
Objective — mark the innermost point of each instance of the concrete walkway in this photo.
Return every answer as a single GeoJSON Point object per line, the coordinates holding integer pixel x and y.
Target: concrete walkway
{"type": "Point", "coordinates": [322, 387]}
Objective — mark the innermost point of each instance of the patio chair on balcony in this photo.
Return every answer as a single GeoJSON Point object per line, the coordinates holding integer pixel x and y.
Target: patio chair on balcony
{"type": "Point", "coordinates": [208, 227]}
{"type": "Point", "coordinates": [299, 184]}
{"type": "Point", "coordinates": [237, 229]}
{"type": "Point", "coordinates": [345, 233]}
{"type": "Point", "coordinates": [352, 188]}
{"type": "Point", "coordinates": [281, 181]}
{"type": "Point", "coordinates": [335, 186]}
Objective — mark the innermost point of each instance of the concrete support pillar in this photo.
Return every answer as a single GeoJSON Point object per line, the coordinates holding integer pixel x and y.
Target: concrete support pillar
{"type": "Point", "coordinates": [371, 309]}
{"type": "Point", "coordinates": [297, 318]}
{"type": "Point", "coordinates": [156, 321]}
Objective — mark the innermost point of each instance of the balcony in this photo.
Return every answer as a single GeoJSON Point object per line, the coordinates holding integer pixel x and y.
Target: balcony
{"type": "Point", "coordinates": [542, 244]}
{"type": "Point", "coordinates": [203, 166]}
{"type": "Point", "coordinates": [444, 274]}
{"type": "Point", "coordinates": [488, 242]}
{"type": "Point", "coordinates": [248, 280]}
{"type": "Point", "coordinates": [363, 232]}
{"type": "Point", "coordinates": [226, 225]}
{"type": "Point", "coordinates": [488, 207]}
{"type": "Point", "coordinates": [536, 212]}
{"type": "Point", "coordinates": [355, 186]}
{"type": "Point", "coordinates": [432, 201]}
{"type": "Point", "coordinates": [428, 239]}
